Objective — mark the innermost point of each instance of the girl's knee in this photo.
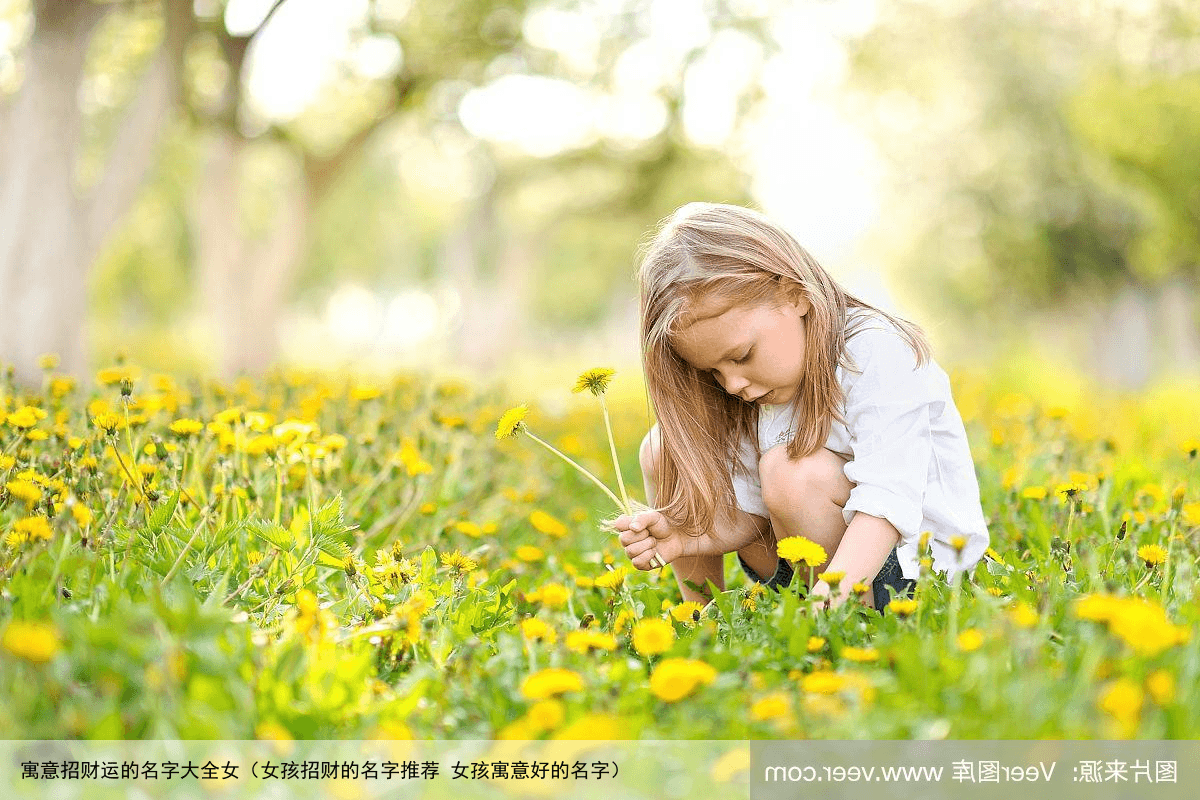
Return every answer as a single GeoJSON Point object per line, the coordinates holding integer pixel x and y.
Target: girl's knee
{"type": "Point", "coordinates": [786, 482]}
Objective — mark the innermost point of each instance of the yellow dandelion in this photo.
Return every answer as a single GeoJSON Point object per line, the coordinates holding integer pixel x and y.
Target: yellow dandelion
{"type": "Point", "coordinates": [362, 392]}
{"type": "Point", "coordinates": [544, 523]}
{"type": "Point", "coordinates": [594, 380]}
{"type": "Point", "coordinates": [688, 612]}
{"type": "Point", "coordinates": [797, 549]}
{"type": "Point", "coordinates": [1122, 699]}
{"type": "Point", "coordinates": [469, 528]}
{"type": "Point", "coordinates": [1023, 615]}
{"type": "Point", "coordinates": [676, 678]}
{"type": "Point", "coordinates": [969, 640]}
{"type": "Point", "coordinates": [1161, 686]}
{"type": "Point", "coordinates": [612, 579]}
{"type": "Point", "coordinates": [546, 715]}
{"type": "Point", "coordinates": [511, 422]}
{"type": "Point", "coordinates": [832, 578]}
{"type": "Point", "coordinates": [653, 636]}
{"type": "Point", "coordinates": [822, 682]}
{"type": "Point", "coordinates": [538, 631]}
{"type": "Point", "coordinates": [458, 562]}
{"type": "Point", "coordinates": [584, 642]}
{"type": "Point", "coordinates": [554, 595]}
{"type": "Point", "coordinates": [529, 554]}
{"type": "Point", "coordinates": [1152, 554]}
{"type": "Point", "coordinates": [107, 422]}
{"type": "Point", "coordinates": [24, 490]}
{"type": "Point", "coordinates": [903, 607]}
{"type": "Point", "coordinates": [862, 655]}
{"type": "Point", "coordinates": [186, 427]}
{"type": "Point", "coordinates": [1034, 493]}
{"type": "Point", "coordinates": [773, 706]}
{"type": "Point", "coordinates": [25, 417]}
{"type": "Point", "coordinates": [815, 643]}
{"type": "Point", "coordinates": [36, 642]}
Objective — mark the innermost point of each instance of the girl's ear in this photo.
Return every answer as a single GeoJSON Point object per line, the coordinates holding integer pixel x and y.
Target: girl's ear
{"type": "Point", "coordinates": [798, 297]}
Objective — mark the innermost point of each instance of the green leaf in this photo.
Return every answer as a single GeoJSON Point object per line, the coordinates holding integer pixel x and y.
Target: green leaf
{"type": "Point", "coordinates": [330, 519]}
{"type": "Point", "coordinates": [275, 535]}
{"type": "Point", "coordinates": [163, 512]}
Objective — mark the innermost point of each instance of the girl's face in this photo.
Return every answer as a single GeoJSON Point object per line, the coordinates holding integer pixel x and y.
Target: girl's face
{"type": "Point", "coordinates": [754, 352]}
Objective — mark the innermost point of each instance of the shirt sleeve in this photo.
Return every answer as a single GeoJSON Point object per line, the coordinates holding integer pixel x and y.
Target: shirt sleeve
{"type": "Point", "coordinates": [888, 408]}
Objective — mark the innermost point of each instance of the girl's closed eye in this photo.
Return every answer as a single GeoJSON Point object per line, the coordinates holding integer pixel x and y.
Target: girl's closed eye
{"type": "Point", "coordinates": [745, 357]}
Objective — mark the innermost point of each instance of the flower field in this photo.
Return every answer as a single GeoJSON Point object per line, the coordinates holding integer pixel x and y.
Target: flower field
{"type": "Point", "coordinates": [313, 557]}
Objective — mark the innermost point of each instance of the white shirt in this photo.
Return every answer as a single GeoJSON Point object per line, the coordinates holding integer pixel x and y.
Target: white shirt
{"type": "Point", "coordinates": [909, 459]}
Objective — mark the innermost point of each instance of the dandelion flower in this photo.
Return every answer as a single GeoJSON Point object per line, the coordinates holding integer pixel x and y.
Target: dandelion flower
{"type": "Point", "coordinates": [612, 579]}
{"type": "Point", "coordinates": [902, 608]}
{"type": "Point", "coordinates": [554, 595]}
{"type": "Point", "coordinates": [676, 678]}
{"type": "Point", "coordinates": [797, 549]}
{"type": "Point", "coordinates": [107, 422]}
{"type": "Point", "coordinates": [37, 642]}
{"type": "Point", "coordinates": [861, 655]}
{"type": "Point", "coordinates": [832, 578]}
{"type": "Point", "coordinates": [1161, 685]}
{"type": "Point", "coordinates": [529, 554]}
{"type": "Point", "coordinates": [458, 562]}
{"type": "Point", "coordinates": [546, 715]}
{"type": "Point", "coordinates": [24, 490]}
{"type": "Point", "coordinates": [822, 682]}
{"type": "Point", "coordinates": [969, 640]}
{"type": "Point", "coordinates": [26, 417]}
{"type": "Point", "coordinates": [688, 612]}
{"type": "Point", "coordinates": [1152, 554]}
{"type": "Point", "coordinates": [584, 642]}
{"type": "Point", "coordinates": [653, 636]}
{"type": "Point", "coordinates": [773, 706]}
{"type": "Point", "coordinates": [544, 523]}
{"type": "Point", "coordinates": [511, 422]}
{"type": "Point", "coordinates": [537, 630]}
{"type": "Point", "coordinates": [815, 643]}
{"type": "Point", "coordinates": [594, 381]}
{"type": "Point", "coordinates": [1122, 699]}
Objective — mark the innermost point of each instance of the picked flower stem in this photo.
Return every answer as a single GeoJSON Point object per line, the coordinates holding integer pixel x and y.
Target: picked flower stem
{"type": "Point", "coordinates": [612, 448]}
{"type": "Point", "coordinates": [574, 464]}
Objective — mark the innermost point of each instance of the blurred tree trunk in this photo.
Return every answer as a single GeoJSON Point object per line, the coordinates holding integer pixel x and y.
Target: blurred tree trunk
{"type": "Point", "coordinates": [244, 279]}
{"type": "Point", "coordinates": [51, 229]}
{"type": "Point", "coordinates": [1142, 333]}
{"type": "Point", "coordinates": [491, 272]}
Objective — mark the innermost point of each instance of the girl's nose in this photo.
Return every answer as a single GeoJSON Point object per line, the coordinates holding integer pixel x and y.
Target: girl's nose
{"type": "Point", "coordinates": [735, 384]}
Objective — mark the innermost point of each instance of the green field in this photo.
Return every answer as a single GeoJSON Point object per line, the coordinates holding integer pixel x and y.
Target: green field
{"type": "Point", "coordinates": [309, 557]}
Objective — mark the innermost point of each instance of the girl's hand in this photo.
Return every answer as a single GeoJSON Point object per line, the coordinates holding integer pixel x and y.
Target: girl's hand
{"type": "Point", "coordinates": [649, 540]}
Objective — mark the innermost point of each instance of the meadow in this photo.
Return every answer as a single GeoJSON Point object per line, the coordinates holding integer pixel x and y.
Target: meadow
{"type": "Point", "coordinates": [327, 557]}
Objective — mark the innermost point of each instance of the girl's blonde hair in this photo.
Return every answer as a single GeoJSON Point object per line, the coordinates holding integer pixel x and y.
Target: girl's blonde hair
{"type": "Point", "coordinates": [707, 250]}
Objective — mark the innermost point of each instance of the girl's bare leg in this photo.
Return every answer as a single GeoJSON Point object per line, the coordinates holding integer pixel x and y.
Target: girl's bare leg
{"type": "Point", "coordinates": [805, 498]}
{"type": "Point", "coordinates": [698, 570]}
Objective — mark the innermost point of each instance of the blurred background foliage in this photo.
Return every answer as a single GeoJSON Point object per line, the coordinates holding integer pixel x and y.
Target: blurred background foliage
{"type": "Point", "coordinates": [221, 185]}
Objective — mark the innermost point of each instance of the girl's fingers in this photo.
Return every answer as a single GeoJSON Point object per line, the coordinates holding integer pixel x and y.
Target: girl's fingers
{"type": "Point", "coordinates": [629, 537]}
{"type": "Point", "coordinates": [621, 523]}
{"type": "Point", "coordinates": [647, 520]}
{"type": "Point", "coordinates": [648, 560]}
{"type": "Point", "coordinates": [638, 548]}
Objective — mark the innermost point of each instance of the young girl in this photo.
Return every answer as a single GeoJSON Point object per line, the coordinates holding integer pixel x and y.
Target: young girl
{"type": "Point", "coordinates": [788, 407]}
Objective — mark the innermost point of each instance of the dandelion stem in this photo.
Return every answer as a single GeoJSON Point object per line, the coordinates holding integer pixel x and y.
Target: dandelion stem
{"type": "Point", "coordinates": [182, 553]}
{"type": "Point", "coordinates": [577, 466]}
{"type": "Point", "coordinates": [612, 447]}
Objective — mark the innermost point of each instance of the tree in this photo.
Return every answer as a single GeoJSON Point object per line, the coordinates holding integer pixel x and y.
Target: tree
{"type": "Point", "coordinates": [52, 225]}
